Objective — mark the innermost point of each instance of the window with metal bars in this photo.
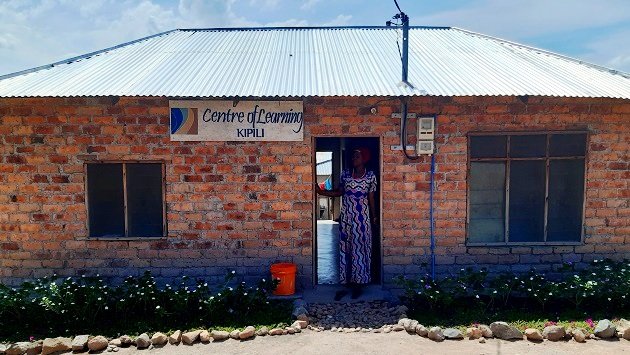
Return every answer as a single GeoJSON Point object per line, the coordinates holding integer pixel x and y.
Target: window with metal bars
{"type": "Point", "coordinates": [125, 199]}
{"type": "Point", "coordinates": [526, 187]}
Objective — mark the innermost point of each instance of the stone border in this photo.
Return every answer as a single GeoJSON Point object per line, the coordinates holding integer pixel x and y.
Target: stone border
{"type": "Point", "coordinates": [605, 329]}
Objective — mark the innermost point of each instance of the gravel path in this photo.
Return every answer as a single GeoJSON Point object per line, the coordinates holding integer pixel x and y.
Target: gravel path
{"type": "Point", "coordinates": [328, 343]}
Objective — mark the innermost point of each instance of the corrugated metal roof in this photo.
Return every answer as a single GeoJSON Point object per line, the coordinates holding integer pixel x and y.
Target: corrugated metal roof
{"type": "Point", "coordinates": [334, 61]}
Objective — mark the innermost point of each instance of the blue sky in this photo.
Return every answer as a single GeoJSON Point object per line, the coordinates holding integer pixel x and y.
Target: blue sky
{"type": "Point", "coordinates": [37, 32]}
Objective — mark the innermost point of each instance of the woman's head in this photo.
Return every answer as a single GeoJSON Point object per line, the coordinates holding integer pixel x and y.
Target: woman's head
{"type": "Point", "coordinates": [360, 156]}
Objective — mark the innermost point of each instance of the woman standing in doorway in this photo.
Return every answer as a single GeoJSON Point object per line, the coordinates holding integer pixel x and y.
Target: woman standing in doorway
{"type": "Point", "coordinates": [357, 186]}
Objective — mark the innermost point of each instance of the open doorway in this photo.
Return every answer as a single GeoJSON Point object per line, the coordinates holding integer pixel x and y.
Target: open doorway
{"type": "Point", "coordinates": [332, 156]}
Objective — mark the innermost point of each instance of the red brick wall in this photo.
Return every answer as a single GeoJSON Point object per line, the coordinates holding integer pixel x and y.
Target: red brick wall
{"type": "Point", "coordinates": [244, 205]}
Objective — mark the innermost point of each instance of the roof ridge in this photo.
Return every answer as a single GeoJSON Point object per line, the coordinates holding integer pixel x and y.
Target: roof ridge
{"type": "Point", "coordinates": [262, 28]}
{"type": "Point", "coordinates": [82, 56]}
{"type": "Point", "coordinates": [558, 55]}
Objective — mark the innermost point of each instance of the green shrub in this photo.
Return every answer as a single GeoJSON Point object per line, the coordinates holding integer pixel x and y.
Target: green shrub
{"type": "Point", "coordinates": [603, 287]}
{"type": "Point", "coordinates": [54, 306]}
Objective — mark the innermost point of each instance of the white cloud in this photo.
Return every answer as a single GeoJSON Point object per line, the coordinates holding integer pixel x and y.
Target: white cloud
{"type": "Point", "coordinates": [288, 23]}
{"type": "Point", "coordinates": [526, 21]}
{"type": "Point", "coordinates": [528, 18]}
{"type": "Point", "coordinates": [309, 4]}
{"type": "Point", "coordinates": [340, 20]}
{"type": "Point", "coordinates": [612, 50]}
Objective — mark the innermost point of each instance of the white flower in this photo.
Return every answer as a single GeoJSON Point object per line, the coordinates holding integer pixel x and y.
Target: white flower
{"type": "Point", "coordinates": [495, 291]}
{"type": "Point", "coordinates": [244, 293]}
{"type": "Point", "coordinates": [106, 308]}
{"type": "Point", "coordinates": [157, 307]}
{"type": "Point", "coordinates": [476, 296]}
{"type": "Point", "coordinates": [233, 272]}
{"type": "Point", "coordinates": [99, 298]}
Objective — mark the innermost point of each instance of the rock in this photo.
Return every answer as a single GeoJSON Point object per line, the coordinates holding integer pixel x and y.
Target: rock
{"type": "Point", "coordinates": [554, 333]}
{"type": "Point", "coordinates": [143, 341]}
{"type": "Point", "coordinates": [398, 328]}
{"type": "Point", "coordinates": [18, 348]}
{"type": "Point", "coordinates": [299, 311]}
{"type": "Point", "coordinates": [486, 332]}
{"type": "Point", "coordinates": [220, 335]}
{"type": "Point", "coordinates": [405, 323]}
{"type": "Point", "coordinates": [473, 333]}
{"type": "Point", "coordinates": [452, 333]}
{"type": "Point", "coordinates": [276, 331]}
{"type": "Point", "coordinates": [53, 345]}
{"type": "Point", "coordinates": [234, 334]}
{"type": "Point", "coordinates": [115, 342]}
{"type": "Point", "coordinates": [421, 330]}
{"type": "Point", "coordinates": [3, 348]}
{"type": "Point", "coordinates": [436, 334]}
{"type": "Point", "coordinates": [247, 333]}
{"type": "Point", "coordinates": [125, 340]}
{"type": "Point", "coordinates": [97, 343]}
{"type": "Point", "coordinates": [35, 348]}
{"type": "Point", "coordinates": [533, 334]}
{"type": "Point", "coordinates": [579, 335]}
{"type": "Point", "coordinates": [79, 343]}
{"type": "Point", "coordinates": [175, 338]}
{"type": "Point", "coordinates": [190, 337]}
{"type": "Point", "coordinates": [300, 324]}
{"type": "Point", "coordinates": [264, 331]}
{"type": "Point", "coordinates": [159, 339]}
{"type": "Point", "coordinates": [605, 329]}
{"type": "Point", "coordinates": [482, 340]}
{"type": "Point", "coordinates": [623, 327]}
{"type": "Point", "coordinates": [303, 317]}
{"type": "Point", "coordinates": [289, 330]}
{"type": "Point", "coordinates": [505, 331]}
{"type": "Point", "coordinates": [204, 336]}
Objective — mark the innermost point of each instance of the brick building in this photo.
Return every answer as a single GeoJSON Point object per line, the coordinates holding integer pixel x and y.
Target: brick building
{"type": "Point", "coordinates": [531, 163]}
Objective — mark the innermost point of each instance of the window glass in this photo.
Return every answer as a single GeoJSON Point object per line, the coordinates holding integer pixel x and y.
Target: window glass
{"type": "Point", "coordinates": [487, 202]}
{"type": "Point", "coordinates": [527, 201]}
{"type": "Point", "coordinates": [566, 197]}
{"type": "Point", "coordinates": [144, 200]}
{"type": "Point", "coordinates": [528, 146]}
{"type": "Point", "coordinates": [567, 145]}
{"type": "Point", "coordinates": [488, 146]}
{"type": "Point", "coordinates": [105, 200]}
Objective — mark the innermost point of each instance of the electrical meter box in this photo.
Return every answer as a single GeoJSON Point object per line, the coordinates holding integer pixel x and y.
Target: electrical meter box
{"type": "Point", "coordinates": [426, 135]}
{"type": "Point", "coordinates": [425, 148]}
{"type": "Point", "coordinates": [426, 128]}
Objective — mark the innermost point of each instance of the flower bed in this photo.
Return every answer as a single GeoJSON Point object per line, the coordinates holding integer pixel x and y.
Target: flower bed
{"type": "Point", "coordinates": [600, 291]}
{"type": "Point", "coordinates": [69, 306]}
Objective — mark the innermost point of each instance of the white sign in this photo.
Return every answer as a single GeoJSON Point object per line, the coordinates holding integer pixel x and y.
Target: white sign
{"type": "Point", "coordinates": [207, 120]}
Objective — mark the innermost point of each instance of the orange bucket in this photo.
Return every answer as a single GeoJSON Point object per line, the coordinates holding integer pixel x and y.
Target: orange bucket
{"type": "Point", "coordinates": [285, 272]}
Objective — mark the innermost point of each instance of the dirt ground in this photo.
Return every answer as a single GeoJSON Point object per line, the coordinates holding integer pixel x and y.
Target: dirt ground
{"type": "Point", "coordinates": [329, 343]}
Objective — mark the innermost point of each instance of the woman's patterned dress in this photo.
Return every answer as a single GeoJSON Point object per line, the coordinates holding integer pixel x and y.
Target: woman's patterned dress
{"type": "Point", "coordinates": [355, 237]}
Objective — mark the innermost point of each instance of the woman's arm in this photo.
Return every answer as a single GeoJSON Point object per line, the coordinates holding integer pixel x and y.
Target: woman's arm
{"type": "Point", "coordinates": [329, 193]}
{"type": "Point", "coordinates": [373, 215]}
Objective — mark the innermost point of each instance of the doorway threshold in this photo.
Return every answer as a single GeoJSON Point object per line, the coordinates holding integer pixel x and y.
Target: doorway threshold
{"type": "Point", "coordinates": [326, 294]}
